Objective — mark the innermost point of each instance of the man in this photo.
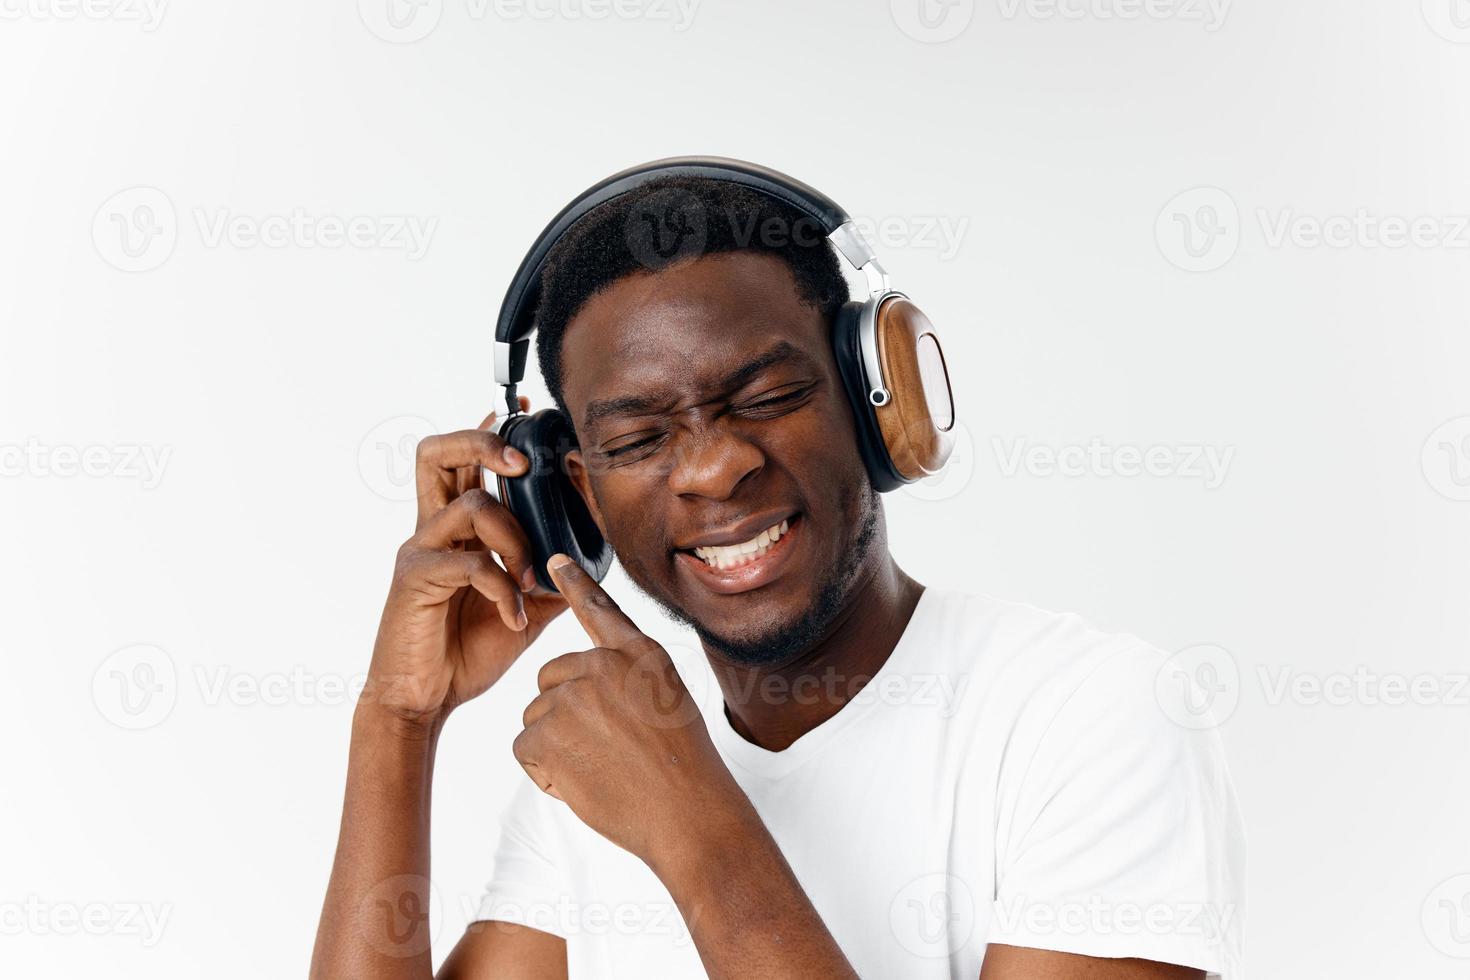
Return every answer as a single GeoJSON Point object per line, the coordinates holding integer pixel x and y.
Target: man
{"type": "Point", "coordinates": [1034, 814]}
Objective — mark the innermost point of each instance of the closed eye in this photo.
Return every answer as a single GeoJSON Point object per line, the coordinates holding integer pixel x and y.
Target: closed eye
{"type": "Point", "coordinates": [627, 450]}
{"type": "Point", "coordinates": [778, 402]}
{"type": "Point", "coordinates": [773, 404]}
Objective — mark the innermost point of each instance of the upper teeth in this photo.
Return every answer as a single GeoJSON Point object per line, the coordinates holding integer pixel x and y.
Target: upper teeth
{"type": "Point", "coordinates": [728, 556]}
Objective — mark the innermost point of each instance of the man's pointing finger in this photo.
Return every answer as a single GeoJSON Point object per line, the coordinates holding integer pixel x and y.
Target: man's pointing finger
{"type": "Point", "coordinates": [599, 615]}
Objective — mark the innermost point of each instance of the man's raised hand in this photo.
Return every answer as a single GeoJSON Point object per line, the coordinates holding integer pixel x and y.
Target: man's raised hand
{"type": "Point", "coordinates": [455, 619]}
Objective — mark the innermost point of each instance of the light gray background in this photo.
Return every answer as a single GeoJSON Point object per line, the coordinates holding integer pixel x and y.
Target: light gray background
{"type": "Point", "coordinates": [281, 387]}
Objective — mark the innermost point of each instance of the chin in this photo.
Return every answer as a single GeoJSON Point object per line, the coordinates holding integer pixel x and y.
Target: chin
{"type": "Point", "coordinates": [771, 626]}
{"type": "Point", "coordinates": [778, 644]}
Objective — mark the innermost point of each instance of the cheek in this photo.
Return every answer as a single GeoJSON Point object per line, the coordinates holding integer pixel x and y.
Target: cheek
{"type": "Point", "coordinates": [627, 506]}
{"type": "Point", "coordinates": [819, 446]}
{"type": "Point", "coordinates": [623, 501]}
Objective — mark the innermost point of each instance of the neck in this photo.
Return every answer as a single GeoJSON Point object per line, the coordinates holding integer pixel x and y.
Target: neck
{"type": "Point", "coordinates": [772, 706]}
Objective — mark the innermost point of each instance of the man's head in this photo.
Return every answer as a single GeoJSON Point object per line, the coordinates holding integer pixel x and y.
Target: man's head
{"type": "Point", "coordinates": [684, 329]}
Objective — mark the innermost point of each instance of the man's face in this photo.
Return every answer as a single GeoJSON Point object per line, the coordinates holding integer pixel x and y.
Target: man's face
{"type": "Point", "coordinates": [709, 412]}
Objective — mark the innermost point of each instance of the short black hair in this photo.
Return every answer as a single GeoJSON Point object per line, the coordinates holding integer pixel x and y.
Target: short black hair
{"type": "Point", "coordinates": [667, 221]}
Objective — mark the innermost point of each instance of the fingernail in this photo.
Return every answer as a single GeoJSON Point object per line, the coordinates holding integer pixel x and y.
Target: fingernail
{"type": "Point", "coordinates": [514, 456]}
{"type": "Point", "coordinates": [520, 620]}
{"type": "Point", "coordinates": [528, 579]}
{"type": "Point", "coordinates": [558, 562]}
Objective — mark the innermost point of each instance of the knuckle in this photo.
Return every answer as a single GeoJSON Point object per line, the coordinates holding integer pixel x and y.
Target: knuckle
{"type": "Point", "coordinates": [407, 562]}
{"type": "Point", "coordinates": [647, 648]}
{"type": "Point", "coordinates": [521, 746]}
{"type": "Point", "coordinates": [550, 669]}
{"type": "Point", "coordinates": [493, 585]}
{"type": "Point", "coordinates": [573, 692]}
{"type": "Point", "coordinates": [485, 445]}
{"type": "Point", "coordinates": [599, 602]}
{"type": "Point", "coordinates": [483, 566]}
{"type": "Point", "coordinates": [476, 500]}
{"type": "Point", "coordinates": [510, 531]}
{"type": "Point", "coordinates": [526, 715]}
{"type": "Point", "coordinates": [492, 521]}
{"type": "Point", "coordinates": [605, 662]}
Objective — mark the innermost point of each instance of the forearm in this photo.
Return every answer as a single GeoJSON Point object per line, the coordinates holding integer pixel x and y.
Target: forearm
{"type": "Point", "coordinates": [374, 922]}
{"type": "Point", "coordinates": [746, 912]}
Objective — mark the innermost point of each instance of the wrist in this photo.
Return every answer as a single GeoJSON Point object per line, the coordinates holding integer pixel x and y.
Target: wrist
{"type": "Point", "coordinates": [718, 833]}
{"type": "Point", "coordinates": [391, 758]}
{"type": "Point", "coordinates": [375, 719]}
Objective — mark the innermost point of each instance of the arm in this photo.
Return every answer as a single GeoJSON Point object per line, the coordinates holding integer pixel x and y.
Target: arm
{"type": "Point", "coordinates": [745, 909]}
{"type": "Point", "coordinates": [616, 736]}
{"type": "Point", "coordinates": [374, 922]}
{"type": "Point", "coordinates": [506, 950]}
{"type": "Point", "coordinates": [1017, 963]}
{"type": "Point", "coordinates": [379, 879]}
{"type": "Point", "coordinates": [453, 623]}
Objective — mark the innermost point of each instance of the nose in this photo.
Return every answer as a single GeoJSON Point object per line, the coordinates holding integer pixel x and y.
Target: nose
{"type": "Point", "coordinates": [713, 462]}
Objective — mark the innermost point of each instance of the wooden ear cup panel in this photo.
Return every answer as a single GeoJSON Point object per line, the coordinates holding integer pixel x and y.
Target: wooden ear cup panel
{"type": "Point", "coordinates": [917, 424]}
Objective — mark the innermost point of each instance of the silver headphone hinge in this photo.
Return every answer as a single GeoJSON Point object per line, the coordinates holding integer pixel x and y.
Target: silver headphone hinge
{"type": "Point", "coordinates": [856, 248]}
{"type": "Point", "coordinates": [878, 395]}
{"type": "Point", "coordinates": [859, 252]}
{"type": "Point", "coordinates": [877, 277]}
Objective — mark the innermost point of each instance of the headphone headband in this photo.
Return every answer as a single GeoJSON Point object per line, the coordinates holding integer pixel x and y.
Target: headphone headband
{"type": "Point", "coordinates": [517, 317]}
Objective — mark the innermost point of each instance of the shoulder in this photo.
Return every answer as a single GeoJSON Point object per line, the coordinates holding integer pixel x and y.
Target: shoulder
{"type": "Point", "coordinates": [1044, 683]}
{"type": "Point", "coordinates": [1037, 657]}
{"type": "Point", "coordinates": [1101, 782]}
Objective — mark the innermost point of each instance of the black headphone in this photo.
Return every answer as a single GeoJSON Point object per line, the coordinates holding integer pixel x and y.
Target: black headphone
{"type": "Point", "coordinates": [888, 355]}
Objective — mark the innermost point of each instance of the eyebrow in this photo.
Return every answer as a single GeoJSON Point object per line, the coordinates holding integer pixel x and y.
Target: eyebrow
{"type": "Point", "coordinates": [780, 352]}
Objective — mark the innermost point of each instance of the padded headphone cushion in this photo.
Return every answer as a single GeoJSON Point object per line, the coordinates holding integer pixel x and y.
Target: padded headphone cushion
{"type": "Point", "coordinates": [545, 502]}
{"type": "Point", "coordinates": [847, 349]}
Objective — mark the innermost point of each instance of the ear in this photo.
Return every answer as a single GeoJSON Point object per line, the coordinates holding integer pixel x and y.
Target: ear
{"type": "Point", "coordinates": [581, 478]}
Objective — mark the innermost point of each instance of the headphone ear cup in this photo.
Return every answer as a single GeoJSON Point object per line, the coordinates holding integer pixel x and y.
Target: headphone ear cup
{"type": "Point", "coordinates": [916, 424]}
{"type": "Point", "coordinates": [847, 348]}
{"type": "Point", "coordinates": [544, 501]}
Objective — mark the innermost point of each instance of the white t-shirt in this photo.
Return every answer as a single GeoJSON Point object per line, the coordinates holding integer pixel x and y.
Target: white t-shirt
{"type": "Point", "coordinates": [1010, 775]}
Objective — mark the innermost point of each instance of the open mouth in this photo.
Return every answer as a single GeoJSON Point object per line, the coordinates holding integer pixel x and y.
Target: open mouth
{"type": "Point", "coordinates": [740, 566]}
{"type": "Point", "coordinates": [735, 555]}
